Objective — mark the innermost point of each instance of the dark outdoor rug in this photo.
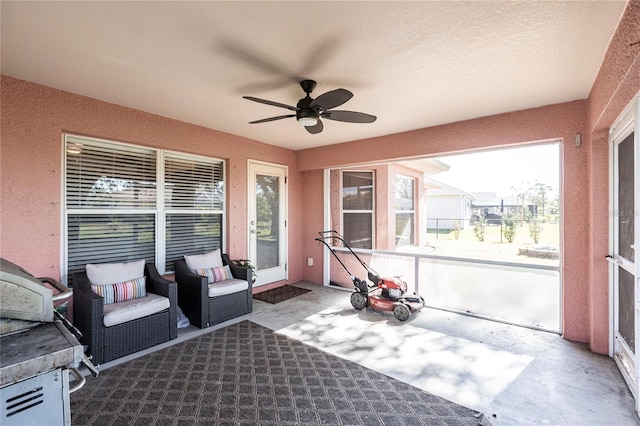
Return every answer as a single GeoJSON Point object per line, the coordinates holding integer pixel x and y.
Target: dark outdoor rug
{"type": "Point", "coordinates": [280, 294]}
{"type": "Point", "coordinates": [245, 374]}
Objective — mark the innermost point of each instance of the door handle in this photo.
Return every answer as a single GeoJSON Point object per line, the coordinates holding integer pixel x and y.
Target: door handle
{"type": "Point", "coordinates": [613, 260]}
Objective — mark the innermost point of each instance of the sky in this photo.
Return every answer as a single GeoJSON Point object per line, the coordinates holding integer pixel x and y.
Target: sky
{"type": "Point", "coordinates": [499, 170]}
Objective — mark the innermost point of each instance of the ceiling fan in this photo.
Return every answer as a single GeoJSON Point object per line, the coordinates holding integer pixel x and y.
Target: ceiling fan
{"type": "Point", "coordinates": [308, 111]}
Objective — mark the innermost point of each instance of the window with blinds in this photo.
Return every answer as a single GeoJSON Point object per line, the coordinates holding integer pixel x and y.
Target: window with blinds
{"type": "Point", "coordinates": [194, 201]}
{"type": "Point", "coordinates": [114, 212]}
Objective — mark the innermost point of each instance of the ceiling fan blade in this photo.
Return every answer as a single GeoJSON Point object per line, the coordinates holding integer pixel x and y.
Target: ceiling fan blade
{"type": "Point", "coordinates": [320, 54]}
{"type": "Point", "coordinates": [349, 116]}
{"type": "Point", "coordinates": [272, 103]}
{"type": "Point", "coordinates": [258, 60]}
{"type": "Point", "coordinates": [262, 86]}
{"type": "Point", "coordinates": [265, 120]}
{"type": "Point", "coordinates": [331, 99]}
{"type": "Point", "coordinates": [315, 129]}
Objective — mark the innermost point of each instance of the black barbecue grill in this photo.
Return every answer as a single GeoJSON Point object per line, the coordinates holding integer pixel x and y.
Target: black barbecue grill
{"type": "Point", "coordinates": [38, 350]}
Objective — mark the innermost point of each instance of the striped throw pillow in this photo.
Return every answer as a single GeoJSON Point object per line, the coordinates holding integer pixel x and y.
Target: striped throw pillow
{"type": "Point", "coordinates": [120, 292]}
{"type": "Point", "coordinates": [215, 275]}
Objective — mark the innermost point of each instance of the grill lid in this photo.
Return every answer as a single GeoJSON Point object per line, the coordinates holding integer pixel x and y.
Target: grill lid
{"type": "Point", "coordinates": [22, 296]}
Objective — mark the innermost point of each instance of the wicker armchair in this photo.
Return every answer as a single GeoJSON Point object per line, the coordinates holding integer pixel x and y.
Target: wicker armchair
{"type": "Point", "coordinates": [204, 311]}
{"type": "Point", "coordinates": [109, 343]}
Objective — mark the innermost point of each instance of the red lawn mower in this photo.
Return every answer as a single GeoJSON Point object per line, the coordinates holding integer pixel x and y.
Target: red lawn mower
{"type": "Point", "coordinates": [384, 294]}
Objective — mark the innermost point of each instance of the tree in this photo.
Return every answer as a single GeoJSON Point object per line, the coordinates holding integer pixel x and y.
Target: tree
{"type": "Point", "coordinates": [479, 228]}
{"type": "Point", "coordinates": [538, 193]}
{"type": "Point", "coordinates": [456, 228]}
{"type": "Point", "coordinates": [535, 228]}
{"type": "Point", "coordinates": [509, 228]}
{"type": "Point", "coordinates": [267, 199]}
{"type": "Point", "coordinates": [522, 192]}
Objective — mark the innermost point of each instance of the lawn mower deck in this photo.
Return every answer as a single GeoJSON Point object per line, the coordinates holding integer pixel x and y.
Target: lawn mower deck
{"type": "Point", "coordinates": [380, 299]}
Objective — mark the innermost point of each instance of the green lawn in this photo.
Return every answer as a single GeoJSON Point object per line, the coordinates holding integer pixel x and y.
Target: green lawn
{"type": "Point", "coordinates": [468, 246]}
{"type": "Point", "coordinates": [550, 235]}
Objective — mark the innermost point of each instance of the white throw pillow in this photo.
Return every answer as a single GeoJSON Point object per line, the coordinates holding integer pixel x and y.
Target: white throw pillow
{"type": "Point", "coordinates": [110, 273]}
{"type": "Point", "coordinates": [212, 259]}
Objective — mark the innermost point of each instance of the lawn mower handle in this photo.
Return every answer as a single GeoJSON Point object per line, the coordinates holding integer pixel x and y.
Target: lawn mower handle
{"type": "Point", "coordinates": [334, 235]}
{"type": "Point", "coordinates": [336, 256]}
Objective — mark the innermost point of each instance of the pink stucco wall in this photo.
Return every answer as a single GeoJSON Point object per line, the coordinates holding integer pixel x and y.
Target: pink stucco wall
{"type": "Point", "coordinates": [618, 81]}
{"type": "Point", "coordinates": [311, 217]}
{"type": "Point", "coordinates": [34, 118]}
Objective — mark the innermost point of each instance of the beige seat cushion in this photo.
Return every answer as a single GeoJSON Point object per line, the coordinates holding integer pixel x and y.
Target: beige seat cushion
{"type": "Point", "coordinates": [117, 313]}
{"type": "Point", "coordinates": [227, 287]}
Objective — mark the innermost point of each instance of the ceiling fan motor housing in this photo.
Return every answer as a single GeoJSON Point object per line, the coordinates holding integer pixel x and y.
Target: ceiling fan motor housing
{"type": "Point", "coordinates": [304, 110]}
{"type": "Point", "coordinates": [307, 112]}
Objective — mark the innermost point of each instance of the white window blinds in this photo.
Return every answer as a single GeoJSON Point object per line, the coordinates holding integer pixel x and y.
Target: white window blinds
{"type": "Point", "coordinates": [109, 176]}
{"type": "Point", "coordinates": [194, 203]}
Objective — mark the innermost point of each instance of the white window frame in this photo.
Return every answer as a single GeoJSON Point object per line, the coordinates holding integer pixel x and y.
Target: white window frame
{"type": "Point", "coordinates": [413, 205]}
{"type": "Point", "coordinates": [160, 211]}
{"type": "Point", "coordinates": [373, 204]}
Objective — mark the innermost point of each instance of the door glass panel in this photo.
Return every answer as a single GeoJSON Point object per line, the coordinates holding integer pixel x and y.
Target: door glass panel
{"type": "Point", "coordinates": [268, 221]}
{"type": "Point", "coordinates": [625, 198]}
{"type": "Point", "coordinates": [626, 313]}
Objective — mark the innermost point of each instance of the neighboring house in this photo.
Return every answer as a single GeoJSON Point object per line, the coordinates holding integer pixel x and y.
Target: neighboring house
{"type": "Point", "coordinates": [489, 203]}
{"type": "Point", "coordinates": [447, 205]}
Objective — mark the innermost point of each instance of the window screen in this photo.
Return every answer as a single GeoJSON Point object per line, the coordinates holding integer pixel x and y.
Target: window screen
{"type": "Point", "coordinates": [405, 210]}
{"type": "Point", "coordinates": [357, 209]}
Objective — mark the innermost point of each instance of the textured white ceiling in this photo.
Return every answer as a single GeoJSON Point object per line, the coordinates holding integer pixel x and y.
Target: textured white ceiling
{"type": "Point", "coordinates": [412, 64]}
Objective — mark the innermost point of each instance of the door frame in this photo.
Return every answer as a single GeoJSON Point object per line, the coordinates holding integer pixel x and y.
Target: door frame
{"type": "Point", "coordinates": [252, 166]}
{"type": "Point", "coordinates": [628, 122]}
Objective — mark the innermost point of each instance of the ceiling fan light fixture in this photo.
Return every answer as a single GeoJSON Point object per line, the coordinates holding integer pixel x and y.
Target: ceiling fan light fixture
{"type": "Point", "coordinates": [308, 121]}
{"type": "Point", "coordinates": [306, 116]}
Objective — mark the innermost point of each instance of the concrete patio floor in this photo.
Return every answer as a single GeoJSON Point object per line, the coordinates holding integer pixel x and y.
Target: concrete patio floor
{"type": "Point", "coordinates": [515, 375]}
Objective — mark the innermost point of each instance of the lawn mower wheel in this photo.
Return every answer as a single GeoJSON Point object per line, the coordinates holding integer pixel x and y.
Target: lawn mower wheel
{"type": "Point", "coordinates": [401, 312]}
{"type": "Point", "coordinates": [358, 300]}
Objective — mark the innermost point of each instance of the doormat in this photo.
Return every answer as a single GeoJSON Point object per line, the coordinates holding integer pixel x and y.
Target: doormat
{"type": "Point", "coordinates": [277, 295]}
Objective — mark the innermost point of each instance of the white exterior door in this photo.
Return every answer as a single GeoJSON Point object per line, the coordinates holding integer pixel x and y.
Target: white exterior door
{"type": "Point", "coordinates": [268, 221]}
{"type": "Point", "coordinates": [624, 236]}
